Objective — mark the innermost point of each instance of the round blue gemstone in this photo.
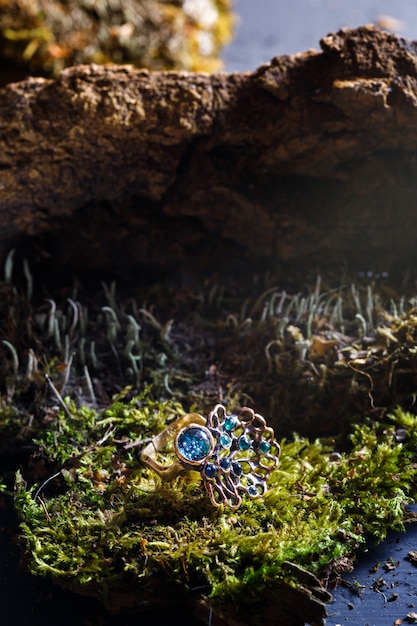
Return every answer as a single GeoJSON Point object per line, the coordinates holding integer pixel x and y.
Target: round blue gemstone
{"type": "Point", "coordinates": [225, 440]}
{"type": "Point", "coordinates": [225, 464]}
{"type": "Point", "coordinates": [252, 491]}
{"type": "Point", "coordinates": [210, 470]}
{"type": "Point", "coordinates": [244, 443]}
{"type": "Point", "coordinates": [194, 444]}
{"type": "Point", "coordinates": [231, 422]}
{"type": "Point", "coordinates": [264, 447]}
{"type": "Point", "coordinates": [237, 468]}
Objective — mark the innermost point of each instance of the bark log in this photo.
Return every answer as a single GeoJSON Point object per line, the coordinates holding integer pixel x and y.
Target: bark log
{"type": "Point", "coordinates": [310, 158]}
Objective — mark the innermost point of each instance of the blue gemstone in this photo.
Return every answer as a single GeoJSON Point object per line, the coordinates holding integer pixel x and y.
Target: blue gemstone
{"type": "Point", "coordinates": [225, 464]}
{"type": "Point", "coordinates": [225, 440]}
{"type": "Point", "coordinates": [252, 491]}
{"type": "Point", "coordinates": [210, 470]}
{"type": "Point", "coordinates": [194, 444]}
{"type": "Point", "coordinates": [231, 422]}
{"type": "Point", "coordinates": [237, 468]}
{"type": "Point", "coordinates": [264, 447]}
{"type": "Point", "coordinates": [244, 443]}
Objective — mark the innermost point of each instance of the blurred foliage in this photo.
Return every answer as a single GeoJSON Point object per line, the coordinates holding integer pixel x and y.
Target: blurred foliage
{"type": "Point", "coordinates": [45, 36]}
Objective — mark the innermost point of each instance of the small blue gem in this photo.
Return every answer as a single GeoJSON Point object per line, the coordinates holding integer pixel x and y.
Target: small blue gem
{"type": "Point", "coordinates": [264, 447]}
{"type": "Point", "coordinates": [244, 443]}
{"type": "Point", "coordinates": [231, 422]}
{"type": "Point", "coordinates": [210, 470]}
{"type": "Point", "coordinates": [194, 444]}
{"type": "Point", "coordinates": [225, 464]}
{"type": "Point", "coordinates": [225, 440]}
{"type": "Point", "coordinates": [252, 491]}
{"type": "Point", "coordinates": [237, 468]}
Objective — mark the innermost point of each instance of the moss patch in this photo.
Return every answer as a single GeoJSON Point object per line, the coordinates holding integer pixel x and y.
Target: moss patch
{"type": "Point", "coordinates": [94, 519]}
{"type": "Point", "coordinates": [103, 518]}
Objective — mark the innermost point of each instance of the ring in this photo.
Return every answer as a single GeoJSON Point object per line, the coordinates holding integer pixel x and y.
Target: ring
{"type": "Point", "coordinates": [235, 454]}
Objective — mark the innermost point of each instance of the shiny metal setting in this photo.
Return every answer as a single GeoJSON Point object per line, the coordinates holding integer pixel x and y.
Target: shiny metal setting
{"type": "Point", "coordinates": [235, 454]}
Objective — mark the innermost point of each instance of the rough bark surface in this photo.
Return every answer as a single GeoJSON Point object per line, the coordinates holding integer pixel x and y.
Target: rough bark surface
{"type": "Point", "coordinates": [311, 157]}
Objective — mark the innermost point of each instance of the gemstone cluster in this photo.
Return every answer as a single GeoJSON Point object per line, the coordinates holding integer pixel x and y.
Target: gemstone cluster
{"type": "Point", "coordinates": [235, 454]}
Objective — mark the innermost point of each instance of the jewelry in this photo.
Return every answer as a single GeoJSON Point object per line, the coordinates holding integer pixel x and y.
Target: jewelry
{"type": "Point", "coordinates": [235, 454]}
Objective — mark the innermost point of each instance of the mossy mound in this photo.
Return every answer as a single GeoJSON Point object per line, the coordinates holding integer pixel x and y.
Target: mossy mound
{"type": "Point", "coordinates": [96, 518]}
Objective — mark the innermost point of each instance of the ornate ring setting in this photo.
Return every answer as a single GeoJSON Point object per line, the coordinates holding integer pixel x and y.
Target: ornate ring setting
{"type": "Point", "coordinates": [235, 454]}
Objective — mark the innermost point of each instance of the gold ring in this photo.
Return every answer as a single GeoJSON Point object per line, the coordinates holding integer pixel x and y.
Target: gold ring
{"type": "Point", "coordinates": [235, 454]}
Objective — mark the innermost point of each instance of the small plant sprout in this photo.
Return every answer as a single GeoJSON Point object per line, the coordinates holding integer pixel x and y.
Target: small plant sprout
{"type": "Point", "coordinates": [51, 319]}
{"type": "Point", "coordinates": [113, 324]}
{"type": "Point", "coordinates": [149, 317]}
{"type": "Point", "coordinates": [133, 330]}
{"type": "Point", "coordinates": [14, 355]}
{"type": "Point", "coordinates": [8, 268]}
{"type": "Point", "coordinates": [29, 279]}
{"type": "Point", "coordinates": [74, 322]}
{"type": "Point", "coordinates": [110, 293]}
{"type": "Point", "coordinates": [362, 324]}
{"type": "Point", "coordinates": [90, 387]}
{"type": "Point", "coordinates": [165, 331]}
{"type": "Point", "coordinates": [32, 364]}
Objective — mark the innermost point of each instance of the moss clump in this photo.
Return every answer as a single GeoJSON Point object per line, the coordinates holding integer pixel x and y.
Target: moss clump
{"type": "Point", "coordinates": [98, 517]}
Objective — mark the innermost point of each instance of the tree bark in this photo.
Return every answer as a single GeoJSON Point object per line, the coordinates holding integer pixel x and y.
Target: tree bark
{"type": "Point", "coordinates": [311, 158]}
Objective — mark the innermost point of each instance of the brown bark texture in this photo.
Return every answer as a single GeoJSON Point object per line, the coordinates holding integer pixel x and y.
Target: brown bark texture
{"type": "Point", "coordinates": [312, 157]}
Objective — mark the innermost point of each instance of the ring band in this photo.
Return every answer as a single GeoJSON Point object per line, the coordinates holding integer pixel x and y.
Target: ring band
{"type": "Point", "coordinates": [235, 454]}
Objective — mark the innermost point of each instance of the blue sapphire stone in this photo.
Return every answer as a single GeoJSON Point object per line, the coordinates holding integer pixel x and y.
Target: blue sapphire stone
{"type": "Point", "coordinates": [264, 447]}
{"type": "Point", "coordinates": [237, 468]}
{"type": "Point", "coordinates": [194, 444]}
{"type": "Point", "coordinates": [225, 464]}
{"type": "Point", "coordinates": [231, 422]}
{"type": "Point", "coordinates": [225, 440]}
{"type": "Point", "coordinates": [244, 443]}
{"type": "Point", "coordinates": [253, 491]}
{"type": "Point", "coordinates": [210, 470]}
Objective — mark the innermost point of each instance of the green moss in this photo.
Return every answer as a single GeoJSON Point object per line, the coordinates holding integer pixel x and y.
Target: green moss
{"type": "Point", "coordinates": [91, 515]}
{"type": "Point", "coordinates": [105, 518]}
